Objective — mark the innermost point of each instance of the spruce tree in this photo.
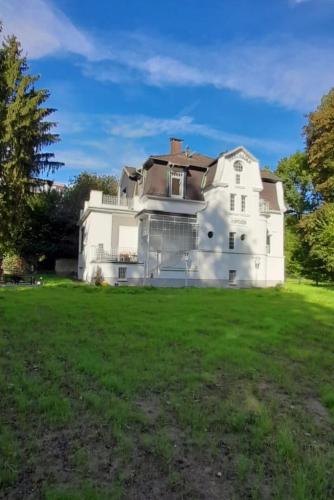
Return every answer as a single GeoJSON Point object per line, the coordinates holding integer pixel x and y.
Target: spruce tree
{"type": "Point", "coordinates": [24, 133]}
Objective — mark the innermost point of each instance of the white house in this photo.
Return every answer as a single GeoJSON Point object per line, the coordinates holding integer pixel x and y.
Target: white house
{"type": "Point", "coordinates": [184, 219]}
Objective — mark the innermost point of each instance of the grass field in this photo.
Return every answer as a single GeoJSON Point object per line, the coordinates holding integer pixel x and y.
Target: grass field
{"type": "Point", "coordinates": [166, 393]}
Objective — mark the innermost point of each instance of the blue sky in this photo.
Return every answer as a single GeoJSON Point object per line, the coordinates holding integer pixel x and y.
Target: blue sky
{"type": "Point", "coordinates": [125, 76]}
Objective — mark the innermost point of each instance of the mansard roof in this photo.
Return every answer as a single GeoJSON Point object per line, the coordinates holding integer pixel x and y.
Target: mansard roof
{"type": "Point", "coordinates": [200, 170]}
{"type": "Point", "coordinates": [184, 159]}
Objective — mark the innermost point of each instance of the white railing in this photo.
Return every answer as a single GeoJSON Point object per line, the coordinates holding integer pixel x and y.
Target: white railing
{"type": "Point", "coordinates": [264, 206]}
{"type": "Point", "coordinates": [118, 201]}
{"type": "Point", "coordinates": [99, 254]}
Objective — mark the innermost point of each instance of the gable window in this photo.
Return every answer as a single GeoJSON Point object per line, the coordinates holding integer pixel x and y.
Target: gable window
{"type": "Point", "coordinates": [122, 273]}
{"type": "Point", "coordinates": [243, 203]}
{"type": "Point", "coordinates": [238, 166]}
{"type": "Point", "coordinates": [176, 180]}
{"type": "Point", "coordinates": [237, 178]}
{"type": "Point", "coordinates": [232, 276]}
{"type": "Point", "coordinates": [231, 241]}
{"type": "Point", "coordinates": [232, 202]}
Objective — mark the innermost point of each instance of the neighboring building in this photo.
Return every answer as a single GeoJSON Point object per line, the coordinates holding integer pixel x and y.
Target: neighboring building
{"type": "Point", "coordinates": [43, 185]}
{"type": "Point", "coordinates": [186, 219]}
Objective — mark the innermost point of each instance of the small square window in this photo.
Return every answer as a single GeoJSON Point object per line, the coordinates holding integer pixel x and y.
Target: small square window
{"type": "Point", "coordinates": [122, 273]}
{"type": "Point", "coordinates": [231, 240]}
{"type": "Point", "coordinates": [232, 276]}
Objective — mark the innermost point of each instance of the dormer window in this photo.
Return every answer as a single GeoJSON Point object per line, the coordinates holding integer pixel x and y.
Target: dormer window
{"type": "Point", "coordinates": [176, 183]}
{"type": "Point", "coordinates": [238, 166]}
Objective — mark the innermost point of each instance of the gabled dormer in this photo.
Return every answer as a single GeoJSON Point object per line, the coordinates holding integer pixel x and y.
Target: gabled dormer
{"type": "Point", "coordinates": [237, 168]}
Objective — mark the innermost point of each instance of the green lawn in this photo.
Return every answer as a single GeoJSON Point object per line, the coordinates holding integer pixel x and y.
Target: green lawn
{"type": "Point", "coordinates": [166, 393]}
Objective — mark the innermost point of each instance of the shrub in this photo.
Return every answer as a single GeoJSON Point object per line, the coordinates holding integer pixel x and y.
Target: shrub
{"type": "Point", "coordinates": [14, 264]}
{"type": "Point", "coordinates": [98, 280]}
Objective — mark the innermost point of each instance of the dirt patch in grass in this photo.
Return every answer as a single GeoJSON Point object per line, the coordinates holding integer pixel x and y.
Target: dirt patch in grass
{"type": "Point", "coordinates": [150, 407]}
{"type": "Point", "coordinates": [71, 455]}
{"type": "Point", "coordinates": [318, 411]}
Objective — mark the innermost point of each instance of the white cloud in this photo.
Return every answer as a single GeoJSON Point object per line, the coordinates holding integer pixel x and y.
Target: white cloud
{"type": "Point", "coordinates": [139, 127]}
{"type": "Point", "coordinates": [43, 29]}
{"type": "Point", "coordinates": [281, 70]}
{"type": "Point", "coordinates": [107, 155]}
{"type": "Point", "coordinates": [299, 1]}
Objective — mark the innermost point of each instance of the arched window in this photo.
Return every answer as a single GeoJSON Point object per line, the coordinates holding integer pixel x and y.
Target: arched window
{"type": "Point", "coordinates": [238, 166]}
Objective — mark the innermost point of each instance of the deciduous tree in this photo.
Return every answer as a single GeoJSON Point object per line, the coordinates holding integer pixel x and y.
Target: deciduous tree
{"type": "Point", "coordinates": [319, 133]}
{"type": "Point", "coordinates": [299, 191]}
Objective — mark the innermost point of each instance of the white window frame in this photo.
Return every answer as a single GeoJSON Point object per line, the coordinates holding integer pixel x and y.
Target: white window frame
{"type": "Point", "coordinates": [232, 276]}
{"type": "Point", "coordinates": [238, 166]}
{"type": "Point", "coordinates": [238, 179]}
{"type": "Point", "coordinates": [243, 203]}
{"type": "Point", "coordinates": [122, 270]}
{"type": "Point", "coordinates": [231, 240]}
{"type": "Point", "coordinates": [176, 175]}
{"type": "Point", "coordinates": [232, 202]}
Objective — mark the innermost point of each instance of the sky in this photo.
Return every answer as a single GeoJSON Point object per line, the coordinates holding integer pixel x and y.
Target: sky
{"type": "Point", "coordinates": [126, 76]}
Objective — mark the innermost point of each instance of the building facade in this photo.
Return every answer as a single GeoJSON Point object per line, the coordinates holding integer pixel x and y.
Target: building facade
{"type": "Point", "coordinates": [185, 219]}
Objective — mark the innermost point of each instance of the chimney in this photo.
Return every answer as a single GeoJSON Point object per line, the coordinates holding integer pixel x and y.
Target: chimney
{"type": "Point", "coordinates": [175, 146]}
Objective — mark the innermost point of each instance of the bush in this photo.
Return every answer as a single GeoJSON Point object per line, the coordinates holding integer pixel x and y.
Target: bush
{"type": "Point", "coordinates": [98, 277]}
{"type": "Point", "coordinates": [14, 264]}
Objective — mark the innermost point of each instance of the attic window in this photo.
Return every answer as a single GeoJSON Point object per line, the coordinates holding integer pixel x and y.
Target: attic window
{"type": "Point", "coordinates": [238, 166]}
{"type": "Point", "coordinates": [176, 180]}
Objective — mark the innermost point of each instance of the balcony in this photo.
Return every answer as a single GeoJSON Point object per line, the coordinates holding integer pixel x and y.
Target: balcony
{"type": "Point", "coordinates": [264, 207]}
{"type": "Point", "coordinates": [98, 200]}
{"type": "Point", "coordinates": [117, 201]}
{"type": "Point", "coordinates": [124, 255]}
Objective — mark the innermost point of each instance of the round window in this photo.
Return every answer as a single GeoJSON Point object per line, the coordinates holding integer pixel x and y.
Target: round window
{"type": "Point", "coordinates": [210, 234]}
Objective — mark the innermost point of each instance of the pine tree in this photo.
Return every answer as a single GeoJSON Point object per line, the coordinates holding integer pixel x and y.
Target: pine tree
{"type": "Point", "coordinates": [24, 133]}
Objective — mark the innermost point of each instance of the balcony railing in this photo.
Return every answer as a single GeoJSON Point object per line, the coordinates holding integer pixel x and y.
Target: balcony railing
{"type": "Point", "coordinates": [115, 254]}
{"type": "Point", "coordinates": [118, 201]}
{"type": "Point", "coordinates": [264, 206]}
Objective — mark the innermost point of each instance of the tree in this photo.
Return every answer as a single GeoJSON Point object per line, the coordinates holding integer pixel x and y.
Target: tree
{"type": "Point", "coordinates": [293, 247]}
{"type": "Point", "coordinates": [81, 186]}
{"type": "Point", "coordinates": [24, 132]}
{"type": "Point", "coordinates": [319, 133]}
{"type": "Point", "coordinates": [51, 229]}
{"type": "Point", "coordinates": [318, 237]}
{"type": "Point", "coordinates": [298, 188]}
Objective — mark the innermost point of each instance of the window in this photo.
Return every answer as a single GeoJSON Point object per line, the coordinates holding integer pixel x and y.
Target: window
{"type": "Point", "coordinates": [82, 242]}
{"type": "Point", "coordinates": [232, 202]}
{"type": "Point", "coordinates": [210, 234]}
{"type": "Point", "coordinates": [268, 242]}
{"type": "Point", "coordinates": [176, 184]}
{"type": "Point", "coordinates": [231, 240]}
{"type": "Point", "coordinates": [237, 179]}
{"type": "Point", "coordinates": [232, 276]}
{"type": "Point", "coordinates": [122, 273]}
{"type": "Point", "coordinates": [243, 203]}
{"type": "Point", "coordinates": [238, 166]}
